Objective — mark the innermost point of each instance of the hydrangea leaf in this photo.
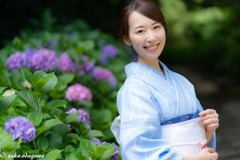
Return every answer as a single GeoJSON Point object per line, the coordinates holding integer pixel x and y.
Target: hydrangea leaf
{"type": "Point", "coordinates": [36, 116]}
{"type": "Point", "coordinates": [6, 103]}
{"type": "Point", "coordinates": [93, 133]}
{"type": "Point", "coordinates": [88, 145]}
{"type": "Point", "coordinates": [27, 98]}
{"type": "Point", "coordinates": [66, 77]}
{"type": "Point", "coordinates": [86, 45]}
{"type": "Point", "coordinates": [103, 152]}
{"type": "Point", "coordinates": [53, 154]}
{"type": "Point", "coordinates": [26, 75]}
{"type": "Point", "coordinates": [71, 156]}
{"type": "Point", "coordinates": [6, 140]}
{"type": "Point", "coordinates": [50, 84]}
{"type": "Point", "coordinates": [60, 128]}
{"type": "Point", "coordinates": [57, 103]}
{"type": "Point", "coordinates": [69, 149]}
{"type": "Point", "coordinates": [72, 117]}
{"type": "Point", "coordinates": [2, 89]}
{"type": "Point", "coordinates": [42, 142]}
{"type": "Point", "coordinates": [48, 124]}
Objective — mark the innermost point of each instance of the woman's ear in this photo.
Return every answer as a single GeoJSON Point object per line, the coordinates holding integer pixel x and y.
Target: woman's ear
{"type": "Point", "coordinates": [127, 41]}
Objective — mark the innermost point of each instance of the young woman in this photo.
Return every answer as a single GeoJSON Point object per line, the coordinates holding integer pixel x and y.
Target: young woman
{"type": "Point", "coordinates": [160, 116]}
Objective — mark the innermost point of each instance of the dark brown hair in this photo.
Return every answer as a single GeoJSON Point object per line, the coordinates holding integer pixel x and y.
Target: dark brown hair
{"type": "Point", "coordinates": [147, 8]}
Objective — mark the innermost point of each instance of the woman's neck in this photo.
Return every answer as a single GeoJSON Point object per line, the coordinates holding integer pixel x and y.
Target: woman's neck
{"type": "Point", "coordinates": [153, 63]}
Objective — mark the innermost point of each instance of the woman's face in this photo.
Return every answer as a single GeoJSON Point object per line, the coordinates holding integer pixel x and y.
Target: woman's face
{"type": "Point", "coordinates": [146, 36]}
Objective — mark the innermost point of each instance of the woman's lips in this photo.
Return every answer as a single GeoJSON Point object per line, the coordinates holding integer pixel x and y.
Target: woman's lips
{"type": "Point", "coordinates": [152, 47]}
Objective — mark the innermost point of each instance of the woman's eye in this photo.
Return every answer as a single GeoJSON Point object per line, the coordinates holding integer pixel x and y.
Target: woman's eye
{"type": "Point", "coordinates": [156, 27]}
{"type": "Point", "coordinates": [140, 31]}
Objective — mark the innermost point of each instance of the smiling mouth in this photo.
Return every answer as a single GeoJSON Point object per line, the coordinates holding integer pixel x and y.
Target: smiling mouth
{"type": "Point", "coordinates": [152, 47]}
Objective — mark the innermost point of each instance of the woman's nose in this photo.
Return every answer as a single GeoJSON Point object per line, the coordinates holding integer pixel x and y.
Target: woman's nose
{"type": "Point", "coordinates": [150, 37]}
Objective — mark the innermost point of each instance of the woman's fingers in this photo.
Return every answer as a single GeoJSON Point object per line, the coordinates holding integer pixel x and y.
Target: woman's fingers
{"type": "Point", "coordinates": [206, 112]}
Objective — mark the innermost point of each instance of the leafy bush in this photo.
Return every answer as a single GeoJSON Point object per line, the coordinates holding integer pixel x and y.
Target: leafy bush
{"type": "Point", "coordinates": [65, 83]}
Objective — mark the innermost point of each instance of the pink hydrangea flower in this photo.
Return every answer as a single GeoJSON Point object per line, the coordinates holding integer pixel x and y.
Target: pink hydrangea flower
{"type": "Point", "coordinates": [67, 64]}
{"type": "Point", "coordinates": [104, 74]}
{"type": "Point", "coordinates": [78, 92]}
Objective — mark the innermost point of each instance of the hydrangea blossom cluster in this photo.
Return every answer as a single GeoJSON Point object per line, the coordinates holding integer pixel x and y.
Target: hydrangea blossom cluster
{"type": "Point", "coordinates": [78, 92]}
{"type": "Point", "coordinates": [29, 53]}
{"type": "Point", "coordinates": [84, 116]}
{"type": "Point", "coordinates": [115, 155]}
{"type": "Point", "coordinates": [44, 60]}
{"type": "Point", "coordinates": [67, 64]}
{"type": "Point", "coordinates": [104, 74]}
{"type": "Point", "coordinates": [16, 61]}
{"type": "Point", "coordinates": [108, 51]}
{"type": "Point", "coordinates": [21, 127]}
{"type": "Point", "coordinates": [86, 68]}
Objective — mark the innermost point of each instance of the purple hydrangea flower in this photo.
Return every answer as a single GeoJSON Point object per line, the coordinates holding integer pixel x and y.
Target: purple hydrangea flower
{"type": "Point", "coordinates": [84, 57]}
{"type": "Point", "coordinates": [116, 154]}
{"type": "Point", "coordinates": [108, 51]}
{"type": "Point", "coordinates": [78, 92]}
{"type": "Point", "coordinates": [86, 68]}
{"type": "Point", "coordinates": [44, 60]}
{"type": "Point", "coordinates": [84, 116]}
{"type": "Point", "coordinates": [21, 127]}
{"type": "Point", "coordinates": [16, 61]}
{"type": "Point", "coordinates": [30, 52]}
{"type": "Point", "coordinates": [104, 74]}
{"type": "Point", "coordinates": [95, 140]}
{"type": "Point", "coordinates": [67, 64]}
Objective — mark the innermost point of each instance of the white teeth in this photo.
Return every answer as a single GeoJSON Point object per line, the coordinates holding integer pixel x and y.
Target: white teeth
{"type": "Point", "coordinates": [153, 47]}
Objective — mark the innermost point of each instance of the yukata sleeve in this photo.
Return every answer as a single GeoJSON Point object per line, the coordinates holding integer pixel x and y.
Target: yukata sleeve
{"type": "Point", "coordinates": [140, 129]}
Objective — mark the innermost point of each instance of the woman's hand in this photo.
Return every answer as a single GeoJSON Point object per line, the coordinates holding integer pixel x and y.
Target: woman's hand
{"type": "Point", "coordinates": [209, 119]}
{"type": "Point", "coordinates": [207, 154]}
{"type": "Point", "coordinates": [204, 154]}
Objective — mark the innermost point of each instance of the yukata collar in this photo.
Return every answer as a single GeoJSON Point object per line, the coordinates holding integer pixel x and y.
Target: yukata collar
{"type": "Point", "coordinates": [150, 75]}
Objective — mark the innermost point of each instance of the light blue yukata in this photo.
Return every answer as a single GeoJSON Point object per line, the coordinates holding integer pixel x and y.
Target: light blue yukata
{"type": "Point", "coordinates": [147, 100]}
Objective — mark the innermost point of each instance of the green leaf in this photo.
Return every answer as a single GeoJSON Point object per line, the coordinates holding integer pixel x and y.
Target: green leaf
{"type": "Point", "coordinates": [36, 116]}
{"type": "Point", "coordinates": [69, 149]}
{"type": "Point", "coordinates": [17, 43]}
{"type": "Point", "coordinates": [71, 156]}
{"type": "Point", "coordinates": [50, 84]}
{"type": "Point", "coordinates": [54, 139]}
{"type": "Point", "coordinates": [80, 127]}
{"type": "Point", "coordinates": [42, 142]}
{"type": "Point", "coordinates": [60, 128]}
{"type": "Point", "coordinates": [57, 103]}
{"type": "Point", "coordinates": [88, 145]}
{"type": "Point", "coordinates": [27, 98]}
{"type": "Point", "coordinates": [72, 117]}
{"type": "Point", "coordinates": [2, 89]}
{"type": "Point", "coordinates": [6, 103]}
{"type": "Point", "coordinates": [103, 151]}
{"type": "Point", "coordinates": [26, 74]}
{"type": "Point", "coordinates": [6, 141]}
{"type": "Point", "coordinates": [67, 77]}
{"type": "Point", "coordinates": [80, 156]}
{"type": "Point", "coordinates": [48, 124]}
{"type": "Point", "coordinates": [86, 45]}
{"type": "Point", "coordinates": [93, 133]}
{"type": "Point", "coordinates": [53, 155]}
